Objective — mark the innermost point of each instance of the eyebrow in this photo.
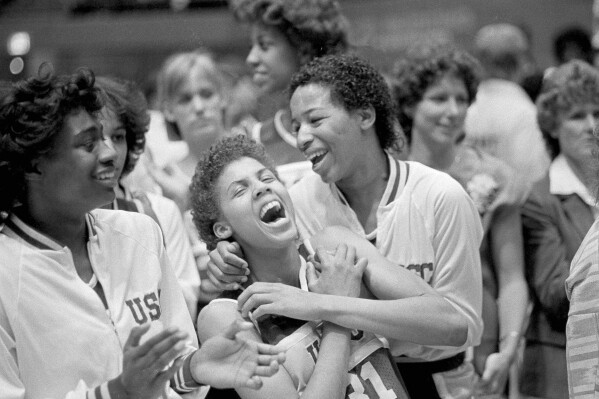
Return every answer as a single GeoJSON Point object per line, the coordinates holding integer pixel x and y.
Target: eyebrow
{"type": "Point", "coordinates": [240, 181]}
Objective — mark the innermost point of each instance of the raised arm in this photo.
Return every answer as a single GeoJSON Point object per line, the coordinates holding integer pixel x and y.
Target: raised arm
{"type": "Point", "coordinates": [330, 372]}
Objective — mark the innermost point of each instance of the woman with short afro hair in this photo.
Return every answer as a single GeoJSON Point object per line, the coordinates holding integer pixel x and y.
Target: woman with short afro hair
{"type": "Point", "coordinates": [286, 34]}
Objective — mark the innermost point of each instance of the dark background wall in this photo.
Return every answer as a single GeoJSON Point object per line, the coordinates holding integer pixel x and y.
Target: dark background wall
{"type": "Point", "coordinates": [133, 43]}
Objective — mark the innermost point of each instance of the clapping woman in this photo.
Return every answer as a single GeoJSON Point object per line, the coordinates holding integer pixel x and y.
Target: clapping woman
{"type": "Point", "coordinates": [89, 306]}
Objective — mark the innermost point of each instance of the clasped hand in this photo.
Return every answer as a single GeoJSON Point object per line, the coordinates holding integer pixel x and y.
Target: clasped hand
{"type": "Point", "coordinates": [339, 274]}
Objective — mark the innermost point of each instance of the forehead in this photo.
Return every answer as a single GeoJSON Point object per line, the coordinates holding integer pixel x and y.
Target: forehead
{"type": "Point", "coordinates": [258, 30]}
{"type": "Point", "coordinates": [311, 96]}
{"type": "Point", "coordinates": [239, 169]}
{"type": "Point", "coordinates": [448, 80]}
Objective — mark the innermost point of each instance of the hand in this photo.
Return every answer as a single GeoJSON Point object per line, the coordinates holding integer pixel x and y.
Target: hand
{"type": "Point", "coordinates": [225, 361]}
{"type": "Point", "coordinates": [497, 367]}
{"type": "Point", "coordinates": [279, 299]}
{"type": "Point", "coordinates": [145, 371]}
{"type": "Point", "coordinates": [226, 268]}
{"type": "Point", "coordinates": [340, 274]}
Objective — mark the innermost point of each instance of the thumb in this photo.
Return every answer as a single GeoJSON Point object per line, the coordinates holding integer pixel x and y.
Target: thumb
{"type": "Point", "coordinates": [324, 257]}
{"type": "Point", "coordinates": [311, 274]}
{"type": "Point", "coordinates": [235, 327]}
{"type": "Point", "coordinates": [135, 335]}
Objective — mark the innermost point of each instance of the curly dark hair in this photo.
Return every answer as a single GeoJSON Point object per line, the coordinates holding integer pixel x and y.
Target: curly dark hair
{"type": "Point", "coordinates": [314, 27]}
{"type": "Point", "coordinates": [32, 115]}
{"type": "Point", "coordinates": [574, 83]}
{"type": "Point", "coordinates": [205, 207]}
{"type": "Point", "coordinates": [354, 84]}
{"type": "Point", "coordinates": [128, 103]}
{"type": "Point", "coordinates": [420, 68]}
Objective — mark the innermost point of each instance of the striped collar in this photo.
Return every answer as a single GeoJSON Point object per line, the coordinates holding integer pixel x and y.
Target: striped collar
{"type": "Point", "coordinates": [398, 177]}
{"type": "Point", "coordinates": [16, 228]}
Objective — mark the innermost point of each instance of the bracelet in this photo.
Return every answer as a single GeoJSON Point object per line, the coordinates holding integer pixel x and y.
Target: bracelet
{"type": "Point", "coordinates": [514, 334]}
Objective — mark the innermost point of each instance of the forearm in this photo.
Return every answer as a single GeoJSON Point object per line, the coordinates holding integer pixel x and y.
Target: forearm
{"type": "Point", "coordinates": [329, 379]}
{"type": "Point", "coordinates": [424, 320]}
{"type": "Point", "coordinates": [512, 303]}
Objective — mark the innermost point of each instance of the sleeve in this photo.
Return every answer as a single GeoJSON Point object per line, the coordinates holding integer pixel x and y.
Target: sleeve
{"type": "Point", "coordinates": [13, 388]}
{"type": "Point", "coordinates": [456, 240]}
{"type": "Point", "coordinates": [179, 251]}
{"type": "Point", "coordinates": [582, 329]}
{"type": "Point", "coordinates": [547, 265]}
{"type": "Point", "coordinates": [175, 313]}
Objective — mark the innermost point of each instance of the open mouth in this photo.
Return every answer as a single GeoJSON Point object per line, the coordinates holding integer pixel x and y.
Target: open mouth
{"type": "Point", "coordinates": [271, 212]}
{"type": "Point", "coordinates": [317, 156]}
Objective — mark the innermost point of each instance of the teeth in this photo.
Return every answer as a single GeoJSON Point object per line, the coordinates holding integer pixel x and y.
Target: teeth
{"type": "Point", "coordinates": [315, 154]}
{"type": "Point", "coordinates": [268, 206]}
{"type": "Point", "coordinates": [105, 176]}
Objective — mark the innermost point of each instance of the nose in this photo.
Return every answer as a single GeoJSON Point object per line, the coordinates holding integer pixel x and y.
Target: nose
{"type": "Point", "coordinates": [261, 189]}
{"type": "Point", "coordinates": [452, 106]}
{"type": "Point", "coordinates": [304, 138]}
{"type": "Point", "coordinates": [252, 57]}
{"type": "Point", "coordinates": [591, 122]}
{"type": "Point", "coordinates": [107, 152]}
{"type": "Point", "coordinates": [199, 104]}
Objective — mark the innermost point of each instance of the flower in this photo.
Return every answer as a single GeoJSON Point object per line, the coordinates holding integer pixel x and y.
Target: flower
{"type": "Point", "coordinates": [483, 190]}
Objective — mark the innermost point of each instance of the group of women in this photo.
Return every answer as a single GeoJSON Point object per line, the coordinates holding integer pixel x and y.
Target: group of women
{"type": "Point", "coordinates": [394, 268]}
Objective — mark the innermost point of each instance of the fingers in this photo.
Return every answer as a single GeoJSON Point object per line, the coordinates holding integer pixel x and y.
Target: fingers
{"type": "Point", "coordinates": [159, 344]}
{"type": "Point", "coordinates": [361, 264]}
{"type": "Point", "coordinates": [341, 253]}
{"type": "Point", "coordinates": [135, 335]}
{"type": "Point", "coordinates": [267, 371]}
{"type": "Point", "coordinates": [270, 350]}
{"type": "Point", "coordinates": [231, 254]}
{"type": "Point", "coordinates": [253, 289]}
{"type": "Point", "coordinates": [253, 303]}
{"type": "Point", "coordinates": [323, 256]}
{"type": "Point", "coordinates": [254, 383]}
{"type": "Point", "coordinates": [311, 274]}
{"type": "Point", "coordinates": [235, 327]}
{"type": "Point", "coordinates": [166, 351]}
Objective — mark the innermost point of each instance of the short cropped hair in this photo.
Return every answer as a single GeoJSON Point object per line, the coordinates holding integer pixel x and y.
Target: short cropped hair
{"type": "Point", "coordinates": [32, 116]}
{"type": "Point", "coordinates": [422, 67]}
{"type": "Point", "coordinates": [574, 83]}
{"type": "Point", "coordinates": [501, 48]}
{"type": "Point", "coordinates": [313, 27]}
{"type": "Point", "coordinates": [179, 67]}
{"type": "Point", "coordinates": [573, 36]}
{"type": "Point", "coordinates": [205, 206]}
{"type": "Point", "coordinates": [354, 84]}
{"type": "Point", "coordinates": [128, 103]}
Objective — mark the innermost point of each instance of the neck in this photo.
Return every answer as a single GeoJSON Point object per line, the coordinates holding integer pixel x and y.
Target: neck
{"type": "Point", "coordinates": [270, 103]}
{"type": "Point", "coordinates": [366, 186]}
{"type": "Point", "coordinates": [274, 265]}
{"type": "Point", "coordinates": [66, 228]}
{"type": "Point", "coordinates": [583, 169]}
{"type": "Point", "coordinates": [439, 157]}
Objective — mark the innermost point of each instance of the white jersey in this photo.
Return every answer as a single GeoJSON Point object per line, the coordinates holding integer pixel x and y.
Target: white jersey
{"type": "Point", "coordinates": [57, 337]}
{"type": "Point", "coordinates": [371, 371]}
{"type": "Point", "coordinates": [426, 223]}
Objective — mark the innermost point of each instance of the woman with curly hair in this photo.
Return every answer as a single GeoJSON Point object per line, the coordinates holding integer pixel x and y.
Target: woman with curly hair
{"type": "Point", "coordinates": [434, 85]}
{"type": "Point", "coordinates": [89, 307]}
{"type": "Point", "coordinates": [125, 120]}
{"type": "Point", "coordinates": [418, 219]}
{"type": "Point", "coordinates": [285, 35]}
{"type": "Point", "coordinates": [557, 215]}
{"type": "Point", "coordinates": [236, 194]}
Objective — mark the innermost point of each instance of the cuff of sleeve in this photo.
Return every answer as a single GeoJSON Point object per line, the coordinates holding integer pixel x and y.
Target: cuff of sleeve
{"type": "Point", "coordinates": [116, 389]}
{"type": "Point", "coordinates": [183, 381]}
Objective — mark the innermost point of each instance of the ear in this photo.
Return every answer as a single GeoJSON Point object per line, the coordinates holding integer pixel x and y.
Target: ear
{"type": "Point", "coordinates": [367, 117]}
{"type": "Point", "coordinates": [222, 230]}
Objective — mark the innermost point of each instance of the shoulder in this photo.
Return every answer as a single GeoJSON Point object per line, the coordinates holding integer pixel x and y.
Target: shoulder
{"type": "Point", "coordinates": [307, 188]}
{"type": "Point", "coordinates": [585, 265]}
{"type": "Point", "coordinates": [137, 226]}
{"type": "Point", "coordinates": [216, 316]}
{"type": "Point", "coordinates": [433, 184]}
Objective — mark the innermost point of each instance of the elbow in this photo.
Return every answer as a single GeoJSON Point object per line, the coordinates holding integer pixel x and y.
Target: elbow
{"type": "Point", "coordinates": [457, 333]}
